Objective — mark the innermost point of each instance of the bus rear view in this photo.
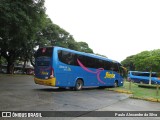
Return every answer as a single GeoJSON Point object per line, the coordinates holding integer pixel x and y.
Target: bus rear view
{"type": "Point", "coordinates": [44, 71]}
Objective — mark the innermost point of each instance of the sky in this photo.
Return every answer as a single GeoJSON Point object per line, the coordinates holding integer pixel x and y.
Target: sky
{"type": "Point", "coordinates": [114, 28]}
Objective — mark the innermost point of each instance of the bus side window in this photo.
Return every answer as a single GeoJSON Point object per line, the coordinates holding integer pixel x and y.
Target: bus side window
{"type": "Point", "coordinates": [99, 63]}
{"type": "Point", "coordinates": [60, 55]}
{"type": "Point", "coordinates": [81, 58]}
{"type": "Point", "coordinates": [66, 57]}
{"type": "Point", "coordinates": [115, 67]}
{"type": "Point", "coordinates": [107, 65]}
{"type": "Point", "coordinates": [70, 59]}
{"type": "Point", "coordinates": [90, 62]}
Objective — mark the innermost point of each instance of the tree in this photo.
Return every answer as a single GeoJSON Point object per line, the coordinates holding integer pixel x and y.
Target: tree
{"type": "Point", "coordinates": [20, 21]}
{"type": "Point", "coordinates": [148, 60]}
{"type": "Point", "coordinates": [101, 55]}
{"type": "Point", "coordinates": [24, 26]}
{"type": "Point", "coordinates": [129, 63]}
{"type": "Point", "coordinates": [144, 61]}
{"type": "Point", "coordinates": [83, 47]}
{"type": "Point", "coordinates": [53, 35]}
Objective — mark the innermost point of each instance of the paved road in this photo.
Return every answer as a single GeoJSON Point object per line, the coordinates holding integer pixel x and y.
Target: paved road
{"type": "Point", "coordinates": [19, 93]}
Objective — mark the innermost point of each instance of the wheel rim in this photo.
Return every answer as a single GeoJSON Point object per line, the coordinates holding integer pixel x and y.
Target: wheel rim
{"type": "Point", "coordinates": [79, 85]}
{"type": "Point", "coordinates": [115, 84]}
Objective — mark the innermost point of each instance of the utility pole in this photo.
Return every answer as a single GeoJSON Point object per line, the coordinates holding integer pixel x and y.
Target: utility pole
{"type": "Point", "coordinates": [150, 77]}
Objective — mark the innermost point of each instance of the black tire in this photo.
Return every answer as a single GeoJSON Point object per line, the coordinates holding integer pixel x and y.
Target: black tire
{"type": "Point", "coordinates": [62, 88]}
{"type": "Point", "coordinates": [78, 85]}
{"type": "Point", "coordinates": [101, 87]}
{"type": "Point", "coordinates": [116, 84]}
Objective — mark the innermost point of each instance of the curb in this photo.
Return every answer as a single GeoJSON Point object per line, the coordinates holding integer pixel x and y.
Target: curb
{"type": "Point", "coordinates": [147, 99]}
{"type": "Point", "coordinates": [134, 97]}
{"type": "Point", "coordinates": [122, 91]}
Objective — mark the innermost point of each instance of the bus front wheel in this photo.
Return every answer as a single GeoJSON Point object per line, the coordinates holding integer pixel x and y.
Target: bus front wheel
{"type": "Point", "coordinates": [116, 84]}
{"type": "Point", "coordinates": [79, 85]}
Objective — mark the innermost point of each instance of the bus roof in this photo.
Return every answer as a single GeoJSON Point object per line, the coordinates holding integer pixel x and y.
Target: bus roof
{"type": "Point", "coordinates": [83, 53]}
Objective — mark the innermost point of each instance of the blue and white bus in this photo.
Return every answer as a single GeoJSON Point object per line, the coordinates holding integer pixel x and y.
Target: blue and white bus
{"type": "Point", "coordinates": [61, 67]}
{"type": "Point", "coordinates": [143, 77]}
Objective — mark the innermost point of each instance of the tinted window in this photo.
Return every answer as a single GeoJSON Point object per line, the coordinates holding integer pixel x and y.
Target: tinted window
{"type": "Point", "coordinates": [154, 75]}
{"type": "Point", "coordinates": [107, 65]}
{"type": "Point", "coordinates": [71, 59]}
{"type": "Point", "coordinates": [99, 63]}
{"type": "Point", "coordinates": [43, 63]}
{"type": "Point", "coordinates": [66, 57]}
{"type": "Point", "coordinates": [44, 52]}
{"type": "Point", "coordinates": [81, 58]}
{"type": "Point", "coordinates": [140, 74]}
{"type": "Point", "coordinates": [115, 67]}
{"type": "Point", "coordinates": [90, 62]}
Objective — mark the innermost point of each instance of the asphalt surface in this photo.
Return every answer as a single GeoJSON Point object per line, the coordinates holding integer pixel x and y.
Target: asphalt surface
{"type": "Point", "coordinates": [20, 93]}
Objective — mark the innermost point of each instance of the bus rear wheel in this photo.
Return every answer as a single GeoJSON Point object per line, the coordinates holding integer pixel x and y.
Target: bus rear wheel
{"type": "Point", "coordinates": [79, 85]}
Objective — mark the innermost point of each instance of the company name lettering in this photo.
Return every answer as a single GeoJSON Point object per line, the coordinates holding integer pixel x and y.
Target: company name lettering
{"type": "Point", "coordinates": [109, 75]}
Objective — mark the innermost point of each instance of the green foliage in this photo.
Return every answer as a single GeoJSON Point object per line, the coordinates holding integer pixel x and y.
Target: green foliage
{"type": "Point", "coordinates": [101, 55]}
{"type": "Point", "coordinates": [2, 61]}
{"type": "Point", "coordinates": [138, 92]}
{"type": "Point", "coordinates": [148, 60]}
{"type": "Point", "coordinates": [83, 47]}
{"type": "Point", "coordinates": [144, 61]}
{"type": "Point", "coordinates": [129, 63]}
{"type": "Point", "coordinates": [20, 20]}
{"type": "Point", "coordinates": [52, 35]}
{"type": "Point", "coordinates": [24, 26]}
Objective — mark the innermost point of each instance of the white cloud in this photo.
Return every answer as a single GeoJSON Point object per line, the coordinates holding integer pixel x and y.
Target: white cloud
{"type": "Point", "coordinates": [115, 28]}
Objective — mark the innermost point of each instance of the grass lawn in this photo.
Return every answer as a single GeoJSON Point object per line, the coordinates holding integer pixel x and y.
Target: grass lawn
{"type": "Point", "coordinates": [143, 92]}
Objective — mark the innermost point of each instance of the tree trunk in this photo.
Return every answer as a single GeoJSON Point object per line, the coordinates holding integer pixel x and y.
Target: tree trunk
{"type": "Point", "coordinates": [150, 77]}
{"type": "Point", "coordinates": [0, 64]}
{"type": "Point", "coordinates": [24, 65]}
{"type": "Point", "coordinates": [10, 68]}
